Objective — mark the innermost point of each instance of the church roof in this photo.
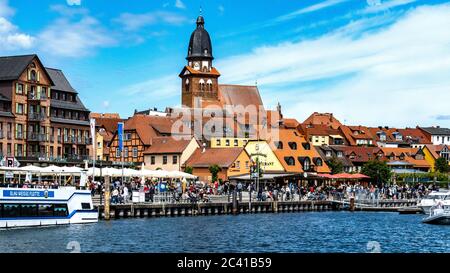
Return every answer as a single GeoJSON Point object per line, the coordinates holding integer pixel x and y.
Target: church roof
{"type": "Point", "coordinates": [240, 95]}
{"type": "Point", "coordinates": [200, 42]}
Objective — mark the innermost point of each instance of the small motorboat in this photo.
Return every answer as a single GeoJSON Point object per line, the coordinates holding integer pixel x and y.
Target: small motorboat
{"type": "Point", "coordinates": [439, 215]}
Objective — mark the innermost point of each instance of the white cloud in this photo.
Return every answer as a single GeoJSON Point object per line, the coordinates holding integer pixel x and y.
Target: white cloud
{"type": "Point", "coordinates": [73, 38]}
{"type": "Point", "coordinates": [5, 9]}
{"type": "Point", "coordinates": [308, 9]}
{"type": "Point", "coordinates": [179, 4]}
{"type": "Point", "coordinates": [378, 6]}
{"type": "Point", "coordinates": [106, 104]}
{"type": "Point", "coordinates": [133, 21]}
{"type": "Point", "coordinates": [11, 39]}
{"type": "Point", "coordinates": [74, 2]}
{"type": "Point", "coordinates": [386, 76]}
{"type": "Point", "coordinates": [158, 89]}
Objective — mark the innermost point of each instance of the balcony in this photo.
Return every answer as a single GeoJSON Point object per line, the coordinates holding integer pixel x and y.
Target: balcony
{"type": "Point", "coordinates": [70, 139]}
{"type": "Point", "coordinates": [35, 97]}
{"type": "Point", "coordinates": [37, 137]}
{"type": "Point", "coordinates": [32, 116]}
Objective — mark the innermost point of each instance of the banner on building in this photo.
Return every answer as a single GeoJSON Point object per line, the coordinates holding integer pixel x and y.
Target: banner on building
{"type": "Point", "coordinates": [94, 139]}
{"type": "Point", "coordinates": [120, 135]}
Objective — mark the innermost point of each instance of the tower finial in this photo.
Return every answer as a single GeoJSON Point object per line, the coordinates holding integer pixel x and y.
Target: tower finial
{"type": "Point", "coordinates": [200, 13]}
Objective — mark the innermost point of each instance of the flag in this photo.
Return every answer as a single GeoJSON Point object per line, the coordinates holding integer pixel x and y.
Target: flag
{"type": "Point", "coordinates": [94, 139]}
{"type": "Point", "coordinates": [120, 135]}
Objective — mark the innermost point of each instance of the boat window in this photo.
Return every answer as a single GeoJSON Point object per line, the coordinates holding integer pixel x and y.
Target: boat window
{"type": "Point", "coordinates": [28, 210]}
{"type": "Point", "coordinates": [61, 210]}
{"type": "Point", "coordinates": [11, 210]}
{"type": "Point", "coordinates": [45, 210]}
{"type": "Point", "coordinates": [85, 205]}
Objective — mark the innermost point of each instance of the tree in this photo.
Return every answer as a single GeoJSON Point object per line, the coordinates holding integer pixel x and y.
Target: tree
{"type": "Point", "coordinates": [214, 170]}
{"type": "Point", "coordinates": [188, 169]}
{"type": "Point", "coordinates": [441, 165]}
{"type": "Point", "coordinates": [378, 171]}
{"type": "Point", "coordinates": [335, 165]}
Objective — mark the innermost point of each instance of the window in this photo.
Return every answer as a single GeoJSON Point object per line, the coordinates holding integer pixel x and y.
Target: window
{"type": "Point", "coordinates": [306, 164]}
{"type": "Point", "coordinates": [125, 152]}
{"type": "Point", "coordinates": [117, 152]}
{"type": "Point", "coordinates": [19, 108]}
{"type": "Point", "coordinates": [246, 165]}
{"type": "Point", "coordinates": [128, 136]}
{"type": "Point", "coordinates": [328, 153]}
{"type": "Point", "coordinates": [238, 164]}
{"type": "Point", "coordinates": [319, 162]}
{"type": "Point", "coordinates": [33, 75]}
{"type": "Point", "coordinates": [152, 160]}
{"type": "Point", "coordinates": [236, 143]}
{"type": "Point", "coordinates": [43, 92]}
{"type": "Point", "coordinates": [29, 210]}
{"type": "Point", "coordinates": [339, 154]}
{"type": "Point", "coordinates": [19, 88]}
{"type": "Point", "coordinates": [11, 210]}
{"type": "Point", "coordinates": [135, 152]}
{"type": "Point", "coordinates": [289, 160]}
{"type": "Point", "coordinates": [227, 142]}
{"type": "Point", "coordinates": [61, 210]}
{"type": "Point", "coordinates": [278, 144]}
{"type": "Point", "coordinates": [306, 146]}
{"type": "Point", "coordinates": [175, 160]}
{"type": "Point", "coordinates": [293, 145]}
{"type": "Point", "coordinates": [45, 210]}
{"type": "Point", "coordinates": [217, 142]}
{"type": "Point", "coordinates": [164, 159]}
{"type": "Point", "coordinates": [85, 206]}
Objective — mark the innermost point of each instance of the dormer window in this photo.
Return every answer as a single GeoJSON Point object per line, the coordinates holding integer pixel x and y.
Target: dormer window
{"type": "Point", "coordinates": [328, 153]}
{"type": "Point", "coordinates": [306, 146]}
{"type": "Point", "coordinates": [339, 154]}
{"type": "Point", "coordinates": [290, 161]}
{"type": "Point", "coordinates": [205, 51]}
{"type": "Point", "coordinates": [293, 145]}
{"type": "Point", "coordinates": [278, 144]}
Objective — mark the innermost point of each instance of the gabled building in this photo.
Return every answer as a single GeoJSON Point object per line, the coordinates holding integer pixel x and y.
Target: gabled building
{"type": "Point", "coordinates": [42, 119]}
{"type": "Point", "coordinates": [437, 135]}
{"type": "Point", "coordinates": [359, 155]}
{"type": "Point", "coordinates": [168, 153]}
{"type": "Point", "coordinates": [326, 119]}
{"type": "Point", "coordinates": [398, 138]}
{"type": "Point", "coordinates": [357, 135]}
{"type": "Point", "coordinates": [261, 150]}
{"type": "Point", "coordinates": [105, 127]}
{"type": "Point", "coordinates": [433, 152]}
{"type": "Point", "coordinates": [336, 152]}
{"type": "Point", "coordinates": [320, 134]}
{"type": "Point", "coordinates": [296, 154]}
{"type": "Point", "coordinates": [232, 161]}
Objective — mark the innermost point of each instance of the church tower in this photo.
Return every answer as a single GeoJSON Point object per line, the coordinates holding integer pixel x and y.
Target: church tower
{"type": "Point", "coordinates": [199, 79]}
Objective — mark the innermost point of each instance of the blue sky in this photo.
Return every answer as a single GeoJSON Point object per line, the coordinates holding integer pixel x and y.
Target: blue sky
{"type": "Point", "coordinates": [374, 62]}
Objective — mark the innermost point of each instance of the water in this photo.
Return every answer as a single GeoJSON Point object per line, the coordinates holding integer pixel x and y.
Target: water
{"type": "Point", "coordinates": [292, 232]}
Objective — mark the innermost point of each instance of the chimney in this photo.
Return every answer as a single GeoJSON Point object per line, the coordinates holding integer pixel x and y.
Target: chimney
{"type": "Point", "coordinates": [331, 117]}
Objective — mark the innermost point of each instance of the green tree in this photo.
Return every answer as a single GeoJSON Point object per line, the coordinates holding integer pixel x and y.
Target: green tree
{"type": "Point", "coordinates": [378, 171]}
{"type": "Point", "coordinates": [441, 165]}
{"type": "Point", "coordinates": [214, 170]}
{"type": "Point", "coordinates": [335, 165]}
{"type": "Point", "coordinates": [188, 169]}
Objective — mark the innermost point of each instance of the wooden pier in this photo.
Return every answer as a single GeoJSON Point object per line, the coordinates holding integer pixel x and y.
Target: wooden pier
{"type": "Point", "coordinates": [220, 208]}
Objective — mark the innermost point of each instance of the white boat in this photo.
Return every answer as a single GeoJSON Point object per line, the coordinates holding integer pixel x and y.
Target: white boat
{"type": "Point", "coordinates": [432, 200]}
{"type": "Point", "coordinates": [439, 215]}
{"type": "Point", "coordinates": [21, 207]}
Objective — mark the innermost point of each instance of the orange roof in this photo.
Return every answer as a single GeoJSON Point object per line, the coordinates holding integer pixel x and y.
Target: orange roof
{"type": "Point", "coordinates": [199, 72]}
{"type": "Point", "coordinates": [247, 96]}
{"type": "Point", "coordinates": [435, 150]}
{"type": "Point", "coordinates": [167, 145]}
{"type": "Point", "coordinates": [323, 119]}
{"type": "Point", "coordinates": [352, 133]}
{"type": "Point", "coordinates": [223, 157]}
{"type": "Point", "coordinates": [399, 151]}
{"type": "Point", "coordinates": [291, 137]}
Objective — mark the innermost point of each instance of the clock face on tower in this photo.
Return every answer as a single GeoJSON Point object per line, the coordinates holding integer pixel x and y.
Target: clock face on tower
{"type": "Point", "coordinates": [196, 65]}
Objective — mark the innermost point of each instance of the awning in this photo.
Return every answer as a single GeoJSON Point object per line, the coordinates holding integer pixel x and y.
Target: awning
{"type": "Point", "coordinates": [344, 176]}
{"type": "Point", "coordinates": [336, 136]}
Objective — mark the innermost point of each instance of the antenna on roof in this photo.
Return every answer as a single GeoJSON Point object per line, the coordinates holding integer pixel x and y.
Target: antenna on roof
{"type": "Point", "coordinates": [256, 82]}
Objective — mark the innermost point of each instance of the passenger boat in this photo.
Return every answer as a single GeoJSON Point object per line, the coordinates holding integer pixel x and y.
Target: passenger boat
{"type": "Point", "coordinates": [21, 207]}
{"type": "Point", "coordinates": [432, 200]}
{"type": "Point", "coordinates": [439, 215]}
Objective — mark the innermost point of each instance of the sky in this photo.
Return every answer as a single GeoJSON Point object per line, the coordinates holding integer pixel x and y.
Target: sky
{"type": "Point", "coordinates": [369, 62]}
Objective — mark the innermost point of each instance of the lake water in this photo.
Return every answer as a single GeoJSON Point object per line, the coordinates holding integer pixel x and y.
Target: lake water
{"type": "Point", "coordinates": [356, 232]}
